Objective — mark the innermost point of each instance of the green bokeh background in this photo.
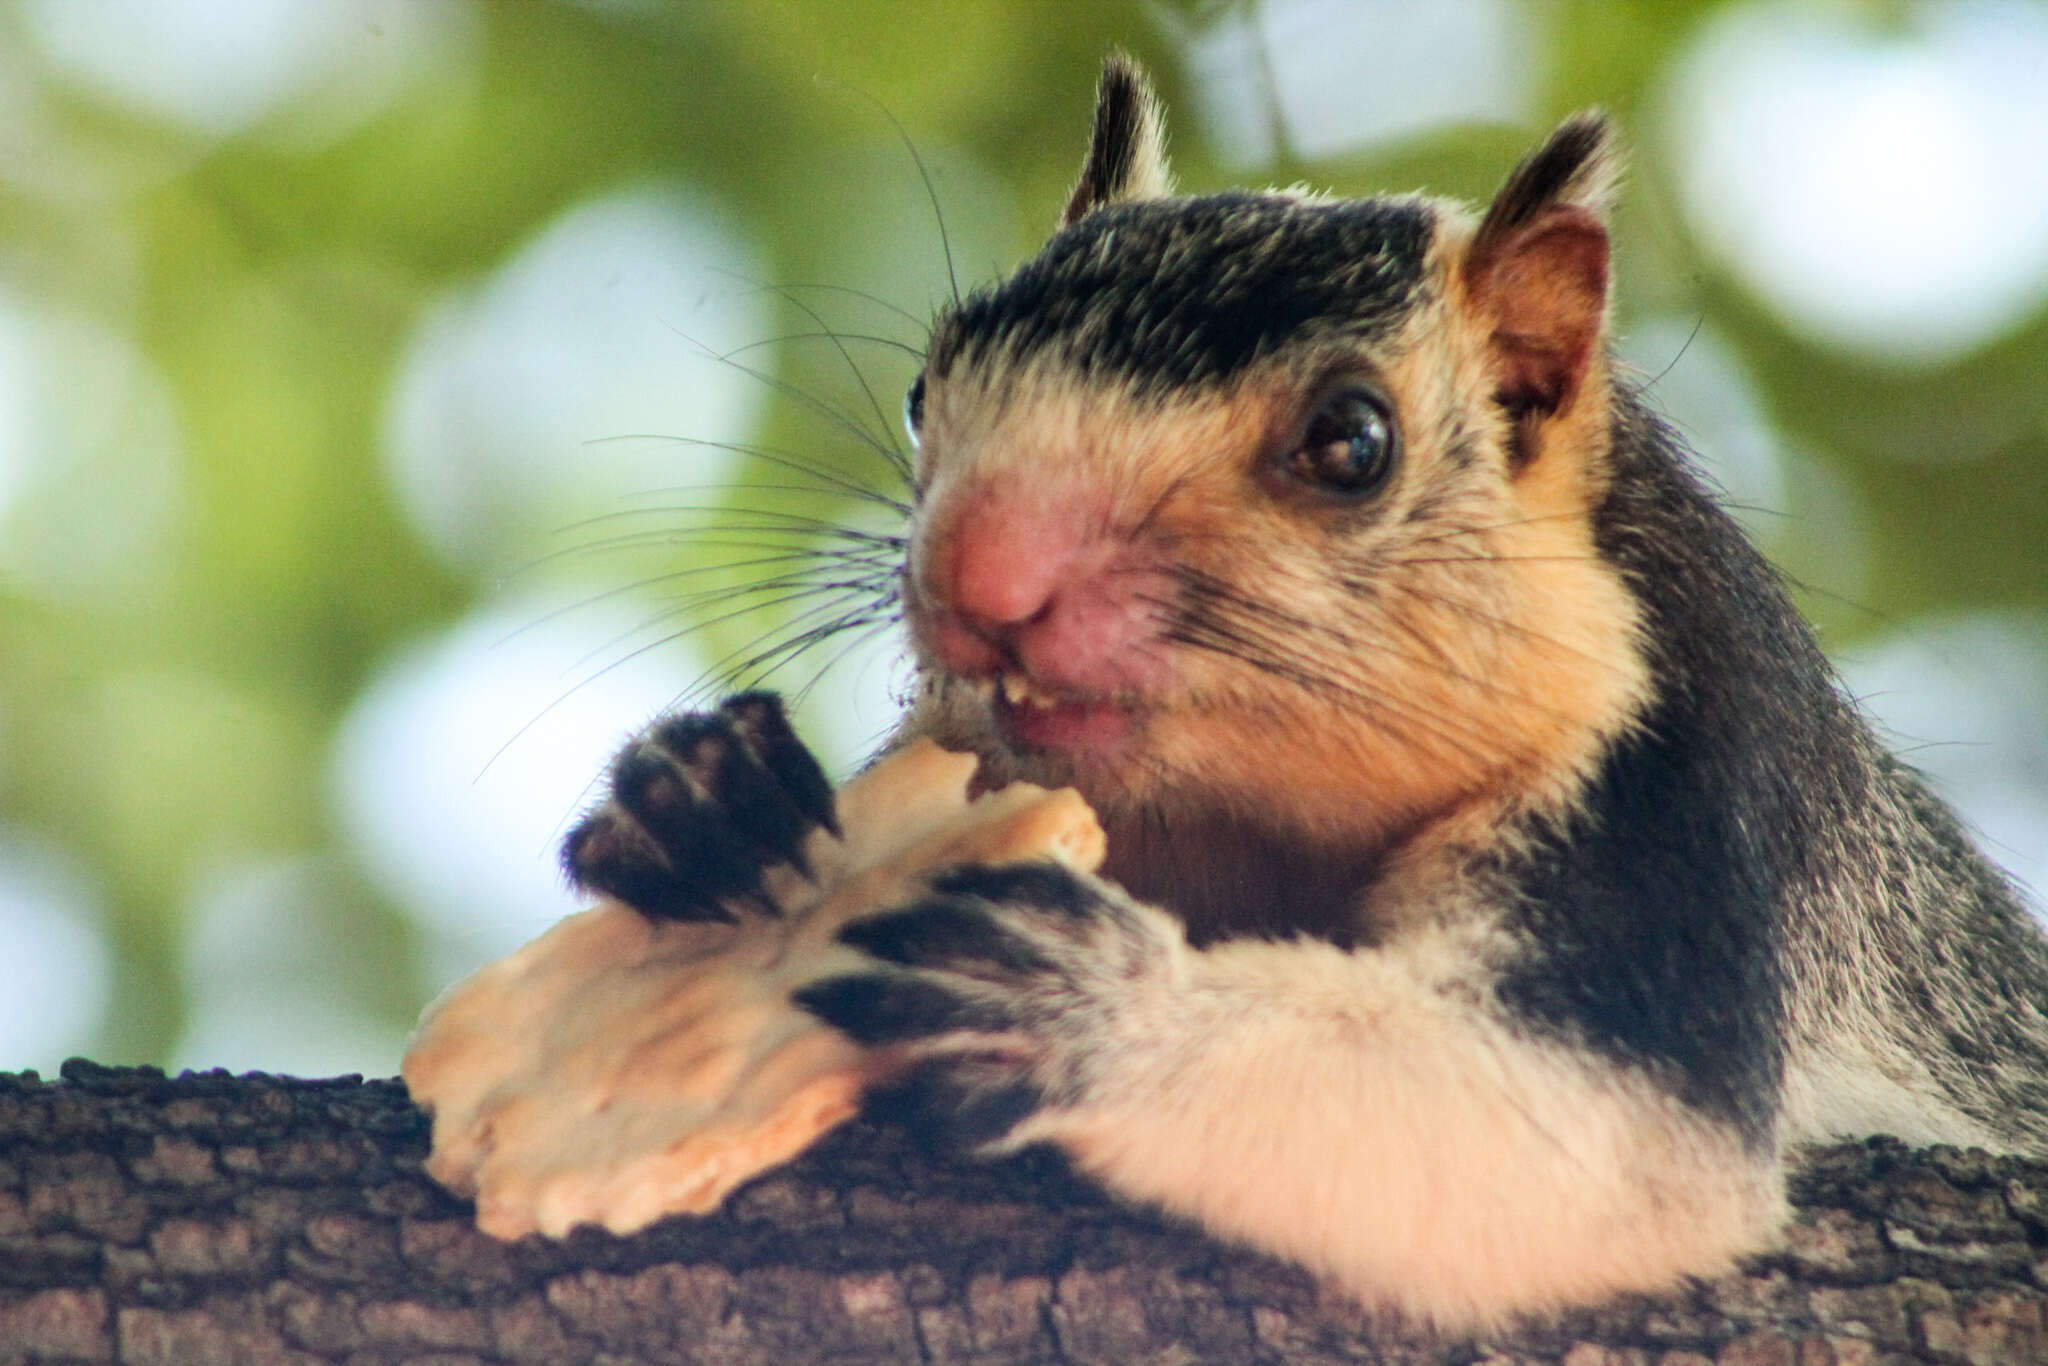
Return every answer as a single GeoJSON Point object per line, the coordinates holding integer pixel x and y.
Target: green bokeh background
{"type": "Point", "coordinates": [188, 720]}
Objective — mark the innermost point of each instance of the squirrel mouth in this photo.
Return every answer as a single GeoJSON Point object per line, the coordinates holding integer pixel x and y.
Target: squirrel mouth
{"type": "Point", "coordinates": [1033, 718]}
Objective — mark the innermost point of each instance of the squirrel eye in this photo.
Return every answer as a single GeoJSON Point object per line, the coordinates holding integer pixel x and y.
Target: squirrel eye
{"type": "Point", "coordinates": [1349, 446]}
{"type": "Point", "coordinates": [913, 409]}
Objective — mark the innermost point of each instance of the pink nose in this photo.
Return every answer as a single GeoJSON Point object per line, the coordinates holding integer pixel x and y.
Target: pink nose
{"type": "Point", "coordinates": [1015, 577]}
{"type": "Point", "coordinates": [1006, 559]}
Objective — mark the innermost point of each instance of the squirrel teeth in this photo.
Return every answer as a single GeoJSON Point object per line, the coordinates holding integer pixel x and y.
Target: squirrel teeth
{"type": "Point", "coordinates": [1020, 691]}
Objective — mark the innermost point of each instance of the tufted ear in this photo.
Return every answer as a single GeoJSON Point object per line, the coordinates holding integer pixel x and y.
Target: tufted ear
{"type": "Point", "coordinates": [1127, 152]}
{"type": "Point", "coordinates": [1537, 268]}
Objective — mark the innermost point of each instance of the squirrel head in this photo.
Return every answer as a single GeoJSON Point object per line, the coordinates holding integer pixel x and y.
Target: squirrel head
{"type": "Point", "coordinates": [1237, 497]}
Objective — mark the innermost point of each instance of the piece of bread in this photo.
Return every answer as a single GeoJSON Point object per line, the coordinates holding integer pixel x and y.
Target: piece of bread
{"type": "Point", "coordinates": [618, 1069]}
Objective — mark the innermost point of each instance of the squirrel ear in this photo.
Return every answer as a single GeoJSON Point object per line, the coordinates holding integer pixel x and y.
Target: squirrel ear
{"type": "Point", "coordinates": [1537, 268]}
{"type": "Point", "coordinates": [1127, 153]}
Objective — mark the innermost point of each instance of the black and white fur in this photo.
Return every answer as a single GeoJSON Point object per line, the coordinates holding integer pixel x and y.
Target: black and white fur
{"type": "Point", "coordinates": [1474, 1039]}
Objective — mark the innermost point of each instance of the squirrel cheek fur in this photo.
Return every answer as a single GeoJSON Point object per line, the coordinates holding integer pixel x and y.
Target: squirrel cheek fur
{"type": "Point", "coordinates": [1500, 887]}
{"type": "Point", "coordinates": [1463, 688]}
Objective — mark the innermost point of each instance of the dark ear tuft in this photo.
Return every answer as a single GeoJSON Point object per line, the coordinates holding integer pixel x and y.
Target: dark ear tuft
{"type": "Point", "coordinates": [1127, 153]}
{"type": "Point", "coordinates": [1537, 268]}
{"type": "Point", "coordinates": [1575, 167]}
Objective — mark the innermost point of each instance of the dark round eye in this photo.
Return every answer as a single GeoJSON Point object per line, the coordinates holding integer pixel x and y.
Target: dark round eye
{"type": "Point", "coordinates": [1349, 446]}
{"type": "Point", "coordinates": [913, 409]}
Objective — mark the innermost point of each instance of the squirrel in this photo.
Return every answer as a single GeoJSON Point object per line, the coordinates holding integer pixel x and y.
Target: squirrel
{"type": "Point", "coordinates": [1502, 888]}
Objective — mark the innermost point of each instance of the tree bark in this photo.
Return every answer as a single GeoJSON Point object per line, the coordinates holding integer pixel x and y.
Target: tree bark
{"type": "Point", "coordinates": [213, 1219]}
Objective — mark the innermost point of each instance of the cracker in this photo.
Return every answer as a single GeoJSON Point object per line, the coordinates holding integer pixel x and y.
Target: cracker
{"type": "Point", "coordinates": [618, 1069]}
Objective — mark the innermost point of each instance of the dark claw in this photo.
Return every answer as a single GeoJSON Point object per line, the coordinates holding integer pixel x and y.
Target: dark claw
{"type": "Point", "coordinates": [702, 805]}
{"type": "Point", "coordinates": [947, 1106]}
{"type": "Point", "coordinates": [938, 933]}
{"type": "Point", "coordinates": [760, 719]}
{"type": "Point", "coordinates": [988, 982]}
{"type": "Point", "coordinates": [737, 812]}
{"type": "Point", "coordinates": [1042, 885]}
{"type": "Point", "coordinates": [607, 854]}
{"type": "Point", "coordinates": [876, 1008]}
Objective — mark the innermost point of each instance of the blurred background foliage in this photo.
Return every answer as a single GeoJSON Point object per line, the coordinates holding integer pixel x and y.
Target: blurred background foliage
{"type": "Point", "coordinates": [357, 361]}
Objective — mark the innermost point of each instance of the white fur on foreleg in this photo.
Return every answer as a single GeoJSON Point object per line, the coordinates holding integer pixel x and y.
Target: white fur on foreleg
{"type": "Point", "coordinates": [1375, 1116]}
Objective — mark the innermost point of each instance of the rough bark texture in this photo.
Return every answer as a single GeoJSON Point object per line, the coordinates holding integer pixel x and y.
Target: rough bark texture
{"type": "Point", "coordinates": [209, 1219]}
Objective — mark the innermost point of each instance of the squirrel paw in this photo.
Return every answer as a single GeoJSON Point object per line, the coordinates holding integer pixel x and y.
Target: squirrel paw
{"type": "Point", "coordinates": [702, 804]}
{"type": "Point", "coordinates": [1008, 985]}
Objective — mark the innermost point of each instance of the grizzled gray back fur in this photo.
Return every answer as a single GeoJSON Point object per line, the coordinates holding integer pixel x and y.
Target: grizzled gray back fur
{"type": "Point", "coordinates": [1758, 796]}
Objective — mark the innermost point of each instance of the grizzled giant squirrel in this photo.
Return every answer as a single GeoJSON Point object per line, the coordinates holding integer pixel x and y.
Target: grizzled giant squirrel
{"type": "Point", "coordinates": [1501, 887]}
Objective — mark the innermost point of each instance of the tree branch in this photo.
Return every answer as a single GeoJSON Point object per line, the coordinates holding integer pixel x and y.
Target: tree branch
{"type": "Point", "coordinates": [210, 1219]}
